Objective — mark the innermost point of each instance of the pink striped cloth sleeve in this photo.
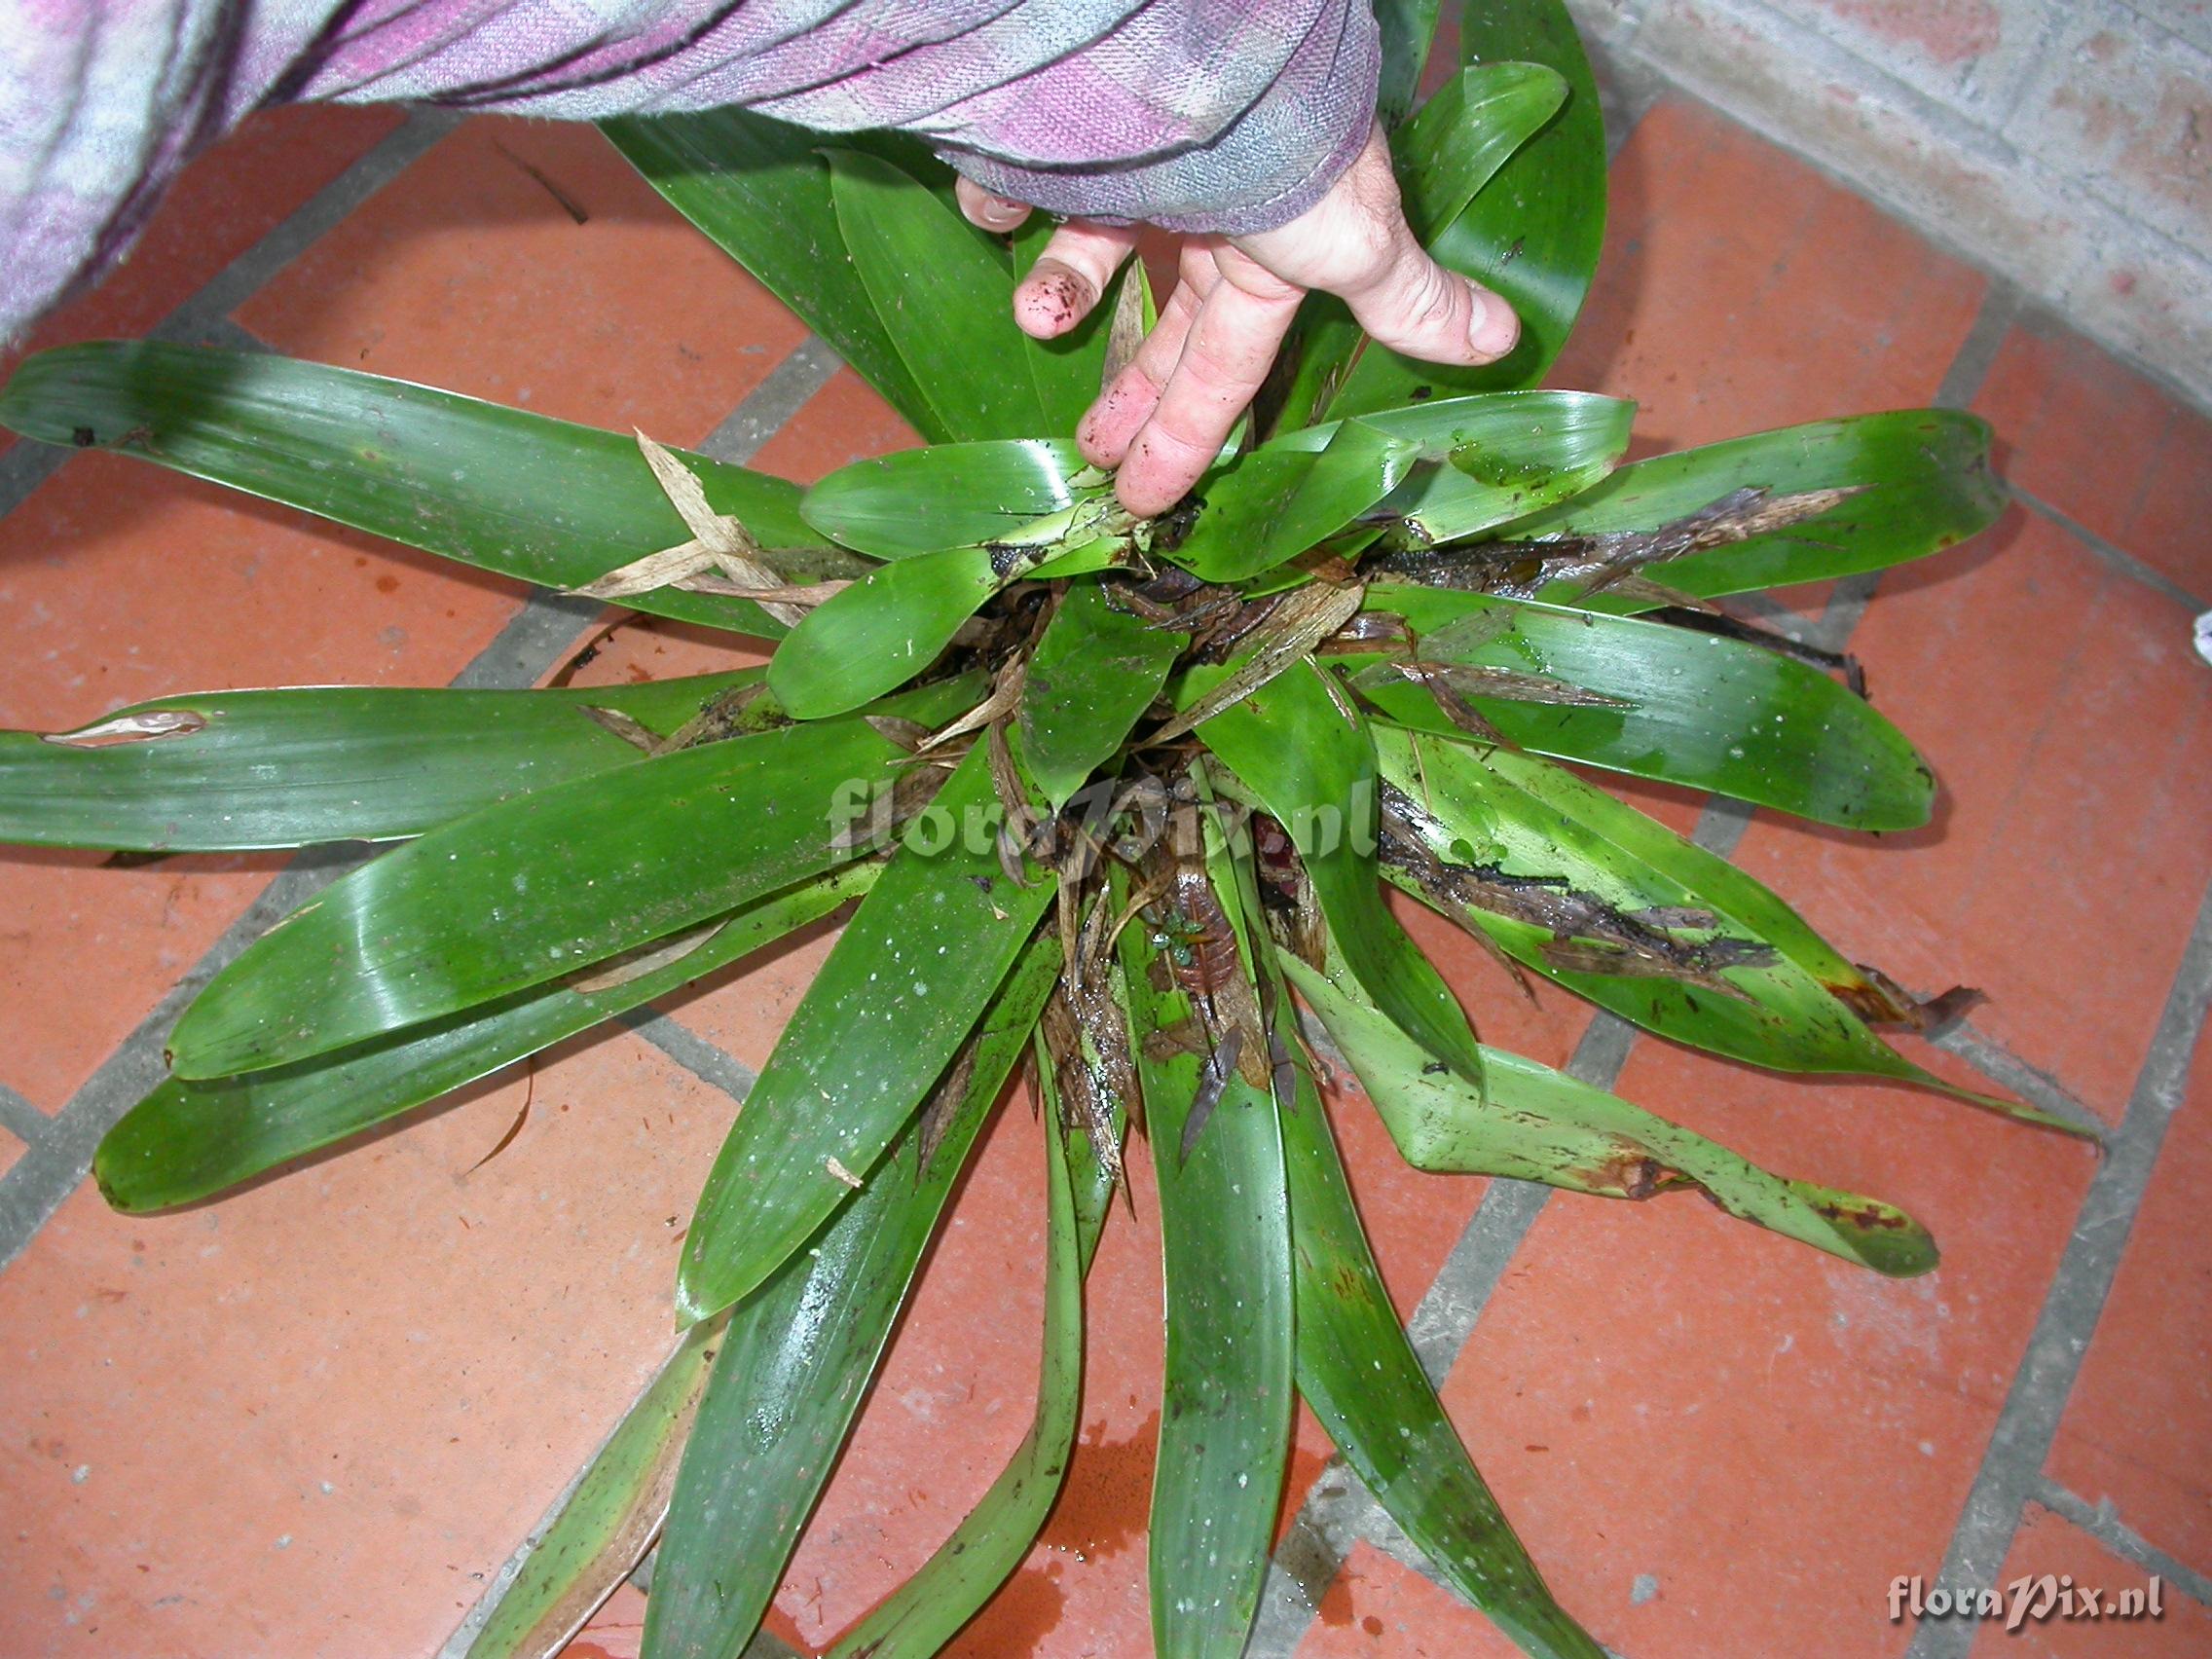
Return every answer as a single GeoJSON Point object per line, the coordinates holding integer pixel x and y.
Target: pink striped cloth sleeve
{"type": "Point", "coordinates": [1199, 115]}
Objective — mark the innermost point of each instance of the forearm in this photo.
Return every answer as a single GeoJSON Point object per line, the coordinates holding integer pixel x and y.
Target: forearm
{"type": "Point", "coordinates": [1198, 114]}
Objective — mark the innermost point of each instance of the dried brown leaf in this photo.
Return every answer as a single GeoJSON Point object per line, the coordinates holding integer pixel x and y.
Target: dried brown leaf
{"type": "Point", "coordinates": [645, 959]}
{"type": "Point", "coordinates": [1305, 618]}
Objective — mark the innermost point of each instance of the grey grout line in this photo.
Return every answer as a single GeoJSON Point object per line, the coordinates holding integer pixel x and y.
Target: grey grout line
{"type": "Point", "coordinates": [376, 166]}
{"type": "Point", "coordinates": [703, 1059]}
{"type": "Point", "coordinates": [2103, 1524]}
{"type": "Point", "coordinates": [228, 336]}
{"type": "Point", "coordinates": [23, 468]}
{"type": "Point", "coordinates": [2012, 1466]}
{"type": "Point", "coordinates": [2118, 557]}
{"type": "Point", "coordinates": [34, 1189]}
{"type": "Point", "coordinates": [805, 371]}
{"type": "Point", "coordinates": [26, 1122]}
{"type": "Point", "coordinates": [531, 642]}
{"type": "Point", "coordinates": [1962, 384]}
{"type": "Point", "coordinates": [2037, 1086]}
{"type": "Point", "coordinates": [204, 318]}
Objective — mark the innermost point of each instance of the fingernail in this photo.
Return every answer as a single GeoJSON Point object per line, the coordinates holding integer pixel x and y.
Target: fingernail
{"type": "Point", "coordinates": [1493, 329]}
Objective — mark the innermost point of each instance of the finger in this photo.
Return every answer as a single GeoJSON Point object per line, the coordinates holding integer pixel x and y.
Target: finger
{"type": "Point", "coordinates": [1231, 344]}
{"type": "Point", "coordinates": [985, 211]}
{"type": "Point", "coordinates": [1069, 275]}
{"type": "Point", "coordinates": [1414, 305]}
{"type": "Point", "coordinates": [1107, 426]}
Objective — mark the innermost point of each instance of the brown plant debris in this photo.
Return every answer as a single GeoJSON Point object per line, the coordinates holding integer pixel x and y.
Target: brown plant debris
{"type": "Point", "coordinates": [1880, 1000]}
{"type": "Point", "coordinates": [1593, 563]}
{"type": "Point", "coordinates": [648, 958]}
{"type": "Point", "coordinates": [142, 727]}
{"type": "Point", "coordinates": [1588, 935]}
{"type": "Point", "coordinates": [1303, 618]}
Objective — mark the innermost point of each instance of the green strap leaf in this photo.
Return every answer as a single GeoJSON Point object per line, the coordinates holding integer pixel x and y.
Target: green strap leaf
{"type": "Point", "coordinates": [1691, 709]}
{"type": "Point", "coordinates": [538, 500]}
{"type": "Point", "coordinates": [1499, 456]}
{"type": "Point", "coordinates": [925, 1612]}
{"type": "Point", "coordinates": [902, 987]}
{"type": "Point", "coordinates": [1443, 158]}
{"type": "Point", "coordinates": [190, 1139]}
{"type": "Point", "coordinates": [1277, 503]}
{"type": "Point", "coordinates": [1225, 1241]}
{"type": "Point", "coordinates": [1312, 764]}
{"type": "Point", "coordinates": [1092, 674]}
{"type": "Point", "coordinates": [945, 300]}
{"type": "Point", "coordinates": [1361, 1376]}
{"type": "Point", "coordinates": [887, 627]}
{"type": "Point", "coordinates": [761, 190]}
{"type": "Point", "coordinates": [921, 501]}
{"type": "Point", "coordinates": [1541, 1124]}
{"type": "Point", "coordinates": [534, 888]}
{"type": "Point", "coordinates": [882, 631]}
{"type": "Point", "coordinates": [1408, 31]}
{"type": "Point", "coordinates": [1535, 231]}
{"type": "Point", "coordinates": [1705, 955]}
{"type": "Point", "coordinates": [801, 1349]}
{"type": "Point", "coordinates": [1468, 131]}
{"type": "Point", "coordinates": [232, 770]}
{"type": "Point", "coordinates": [1922, 483]}
{"type": "Point", "coordinates": [607, 1524]}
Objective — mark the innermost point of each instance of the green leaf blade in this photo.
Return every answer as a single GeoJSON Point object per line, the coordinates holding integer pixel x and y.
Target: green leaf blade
{"type": "Point", "coordinates": [1921, 479]}
{"type": "Point", "coordinates": [1694, 709]}
{"type": "Point", "coordinates": [189, 1139]}
{"type": "Point", "coordinates": [945, 300]}
{"type": "Point", "coordinates": [1535, 231]}
{"type": "Point", "coordinates": [1449, 150]}
{"type": "Point", "coordinates": [904, 983]}
{"type": "Point", "coordinates": [1497, 457]}
{"type": "Point", "coordinates": [913, 502]}
{"type": "Point", "coordinates": [1225, 1394]}
{"type": "Point", "coordinates": [1313, 768]}
{"type": "Point", "coordinates": [1501, 819]}
{"type": "Point", "coordinates": [1360, 1374]}
{"type": "Point", "coordinates": [527, 890]}
{"type": "Point", "coordinates": [608, 1521]}
{"type": "Point", "coordinates": [1468, 129]}
{"type": "Point", "coordinates": [541, 501]}
{"type": "Point", "coordinates": [1275, 504]}
{"type": "Point", "coordinates": [880, 632]}
{"type": "Point", "coordinates": [797, 1357]}
{"type": "Point", "coordinates": [925, 1612]}
{"type": "Point", "coordinates": [1092, 676]}
{"type": "Point", "coordinates": [1541, 1124]}
{"type": "Point", "coordinates": [240, 770]}
{"type": "Point", "coordinates": [761, 190]}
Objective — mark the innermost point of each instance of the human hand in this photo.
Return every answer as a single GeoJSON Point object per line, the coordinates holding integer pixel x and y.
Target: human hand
{"type": "Point", "coordinates": [1165, 418]}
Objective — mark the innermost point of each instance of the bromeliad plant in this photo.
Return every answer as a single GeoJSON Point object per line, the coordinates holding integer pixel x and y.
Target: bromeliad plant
{"type": "Point", "coordinates": [1115, 796]}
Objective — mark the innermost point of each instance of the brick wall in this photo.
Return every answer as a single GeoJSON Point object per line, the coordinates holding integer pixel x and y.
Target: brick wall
{"type": "Point", "coordinates": [2066, 144]}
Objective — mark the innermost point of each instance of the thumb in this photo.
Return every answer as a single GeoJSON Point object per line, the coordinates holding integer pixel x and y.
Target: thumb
{"type": "Point", "coordinates": [1414, 305]}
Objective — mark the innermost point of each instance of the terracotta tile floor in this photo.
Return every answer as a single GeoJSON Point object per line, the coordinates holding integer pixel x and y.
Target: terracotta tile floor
{"type": "Point", "coordinates": [314, 1419]}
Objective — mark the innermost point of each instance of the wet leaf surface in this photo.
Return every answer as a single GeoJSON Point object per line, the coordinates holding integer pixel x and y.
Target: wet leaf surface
{"type": "Point", "coordinates": [1541, 1124]}
{"type": "Point", "coordinates": [189, 1139]}
{"type": "Point", "coordinates": [798, 1355]}
{"type": "Point", "coordinates": [903, 985]}
{"type": "Point", "coordinates": [536, 498]}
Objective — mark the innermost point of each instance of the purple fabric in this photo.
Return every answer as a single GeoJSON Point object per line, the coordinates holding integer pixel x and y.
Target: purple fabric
{"type": "Point", "coordinates": [1220, 115]}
